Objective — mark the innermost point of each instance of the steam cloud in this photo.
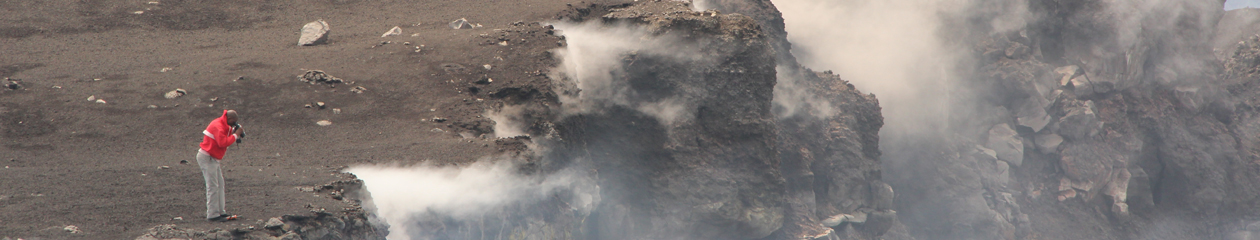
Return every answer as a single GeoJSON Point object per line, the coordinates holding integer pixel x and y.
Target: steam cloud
{"type": "Point", "coordinates": [594, 57]}
{"type": "Point", "coordinates": [403, 193]}
{"type": "Point", "coordinates": [889, 48]}
{"type": "Point", "coordinates": [915, 55]}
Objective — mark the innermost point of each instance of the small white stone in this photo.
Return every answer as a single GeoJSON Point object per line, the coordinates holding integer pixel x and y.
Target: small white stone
{"type": "Point", "coordinates": [167, 69]}
{"type": "Point", "coordinates": [72, 229]}
{"type": "Point", "coordinates": [323, 123]}
{"type": "Point", "coordinates": [178, 219]}
{"type": "Point", "coordinates": [487, 66]}
{"type": "Point", "coordinates": [101, 101]}
{"type": "Point", "coordinates": [393, 32]}
{"type": "Point", "coordinates": [92, 98]}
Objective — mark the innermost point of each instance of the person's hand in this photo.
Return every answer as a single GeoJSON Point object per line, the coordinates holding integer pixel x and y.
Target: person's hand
{"type": "Point", "coordinates": [239, 131]}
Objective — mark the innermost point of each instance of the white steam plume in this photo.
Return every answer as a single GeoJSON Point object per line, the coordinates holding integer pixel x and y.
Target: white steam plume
{"type": "Point", "coordinates": [507, 122]}
{"type": "Point", "coordinates": [593, 59]}
{"type": "Point", "coordinates": [402, 193]}
{"type": "Point", "coordinates": [889, 48]}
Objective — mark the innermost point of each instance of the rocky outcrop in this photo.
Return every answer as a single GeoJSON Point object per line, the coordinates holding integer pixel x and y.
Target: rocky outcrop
{"type": "Point", "coordinates": [352, 223]}
{"type": "Point", "coordinates": [711, 171]}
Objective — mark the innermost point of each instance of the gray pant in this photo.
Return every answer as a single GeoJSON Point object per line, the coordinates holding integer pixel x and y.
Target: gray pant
{"type": "Point", "coordinates": [214, 184]}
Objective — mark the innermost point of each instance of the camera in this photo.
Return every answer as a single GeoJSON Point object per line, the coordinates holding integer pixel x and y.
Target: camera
{"type": "Point", "coordinates": [242, 136]}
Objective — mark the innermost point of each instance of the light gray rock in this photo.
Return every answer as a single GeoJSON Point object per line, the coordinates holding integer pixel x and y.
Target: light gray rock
{"type": "Point", "coordinates": [460, 24]}
{"type": "Point", "coordinates": [1006, 142]}
{"type": "Point", "coordinates": [392, 32]}
{"type": "Point", "coordinates": [1066, 74]}
{"type": "Point", "coordinates": [314, 33]}
{"type": "Point", "coordinates": [273, 223]}
{"type": "Point", "coordinates": [178, 92]}
{"type": "Point", "coordinates": [1048, 143]}
{"type": "Point", "coordinates": [1032, 113]}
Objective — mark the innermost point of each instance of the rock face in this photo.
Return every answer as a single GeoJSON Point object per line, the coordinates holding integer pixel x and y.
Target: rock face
{"type": "Point", "coordinates": [709, 173]}
{"type": "Point", "coordinates": [1143, 129]}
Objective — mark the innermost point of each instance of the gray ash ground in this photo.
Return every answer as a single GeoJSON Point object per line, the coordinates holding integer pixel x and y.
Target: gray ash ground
{"type": "Point", "coordinates": [98, 166]}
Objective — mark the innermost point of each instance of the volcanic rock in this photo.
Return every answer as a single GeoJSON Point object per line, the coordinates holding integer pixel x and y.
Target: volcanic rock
{"type": "Point", "coordinates": [461, 23]}
{"type": "Point", "coordinates": [1032, 113]}
{"type": "Point", "coordinates": [178, 92]}
{"type": "Point", "coordinates": [12, 84]}
{"type": "Point", "coordinates": [1007, 143]}
{"type": "Point", "coordinates": [1079, 121]}
{"type": "Point", "coordinates": [314, 33]}
{"type": "Point", "coordinates": [718, 161]}
{"type": "Point", "coordinates": [273, 223]}
{"type": "Point", "coordinates": [318, 76]}
{"type": "Point", "coordinates": [1048, 143]}
{"type": "Point", "coordinates": [1086, 164]}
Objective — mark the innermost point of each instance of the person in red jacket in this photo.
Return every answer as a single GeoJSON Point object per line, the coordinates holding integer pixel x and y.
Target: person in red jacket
{"type": "Point", "coordinates": [221, 133]}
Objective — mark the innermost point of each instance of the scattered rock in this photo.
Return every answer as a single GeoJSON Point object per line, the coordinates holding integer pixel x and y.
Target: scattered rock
{"type": "Point", "coordinates": [72, 229]}
{"type": "Point", "coordinates": [13, 85]}
{"type": "Point", "coordinates": [308, 105]}
{"type": "Point", "coordinates": [1006, 142]}
{"type": "Point", "coordinates": [460, 24]}
{"type": "Point", "coordinates": [164, 167]}
{"type": "Point", "coordinates": [91, 98]}
{"type": "Point", "coordinates": [183, 161]}
{"type": "Point", "coordinates": [314, 33]}
{"type": "Point", "coordinates": [393, 32]}
{"type": "Point", "coordinates": [438, 119]}
{"type": "Point", "coordinates": [358, 89]}
{"type": "Point", "coordinates": [320, 105]}
{"type": "Point", "coordinates": [336, 111]}
{"type": "Point", "coordinates": [273, 223]}
{"type": "Point", "coordinates": [178, 92]}
{"type": "Point", "coordinates": [323, 123]}
{"type": "Point", "coordinates": [318, 76]}
{"type": "Point", "coordinates": [152, 106]}
{"type": "Point", "coordinates": [484, 81]}
{"type": "Point", "coordinates": [178, 218]}
{"type": "Point", "coordinates": [101, 101]}
{"type": "Point", "coordinates": [1048, 143]}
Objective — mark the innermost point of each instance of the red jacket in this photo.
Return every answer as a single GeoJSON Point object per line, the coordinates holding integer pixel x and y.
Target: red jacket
{"type": "Point", "coordinates": [218, 137]}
